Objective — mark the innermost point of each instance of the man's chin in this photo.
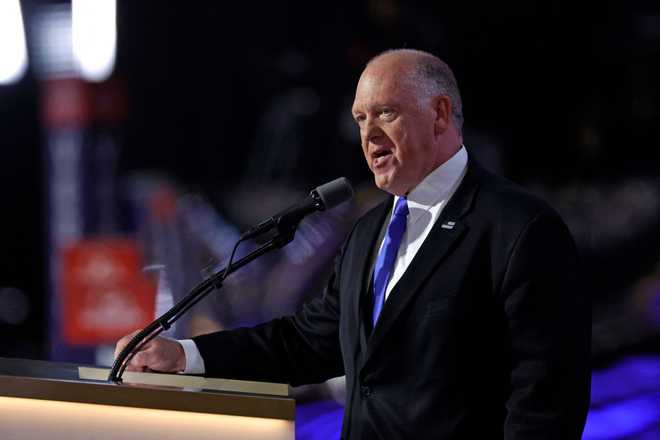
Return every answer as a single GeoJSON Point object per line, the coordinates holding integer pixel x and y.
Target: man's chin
{"type": "Point", "coordinates": [386, 184]}
{"type": "Point", "coordinates": [382, 182]}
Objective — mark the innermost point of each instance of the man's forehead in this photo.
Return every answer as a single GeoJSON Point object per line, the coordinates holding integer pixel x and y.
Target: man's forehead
{"type": "Point", "coordinates": [376, 85]}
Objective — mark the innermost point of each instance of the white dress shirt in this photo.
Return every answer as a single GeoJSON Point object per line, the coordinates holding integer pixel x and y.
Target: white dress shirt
{"type": "Point", "coordinates": [425, 204]}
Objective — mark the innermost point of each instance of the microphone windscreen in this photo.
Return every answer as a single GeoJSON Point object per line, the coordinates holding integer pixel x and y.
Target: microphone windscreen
{"type": "Point", "coordinates": [335, 192]}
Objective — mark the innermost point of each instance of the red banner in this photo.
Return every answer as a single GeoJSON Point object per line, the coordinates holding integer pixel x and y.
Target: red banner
{"type": "Point", "coordinates": [105, 294]}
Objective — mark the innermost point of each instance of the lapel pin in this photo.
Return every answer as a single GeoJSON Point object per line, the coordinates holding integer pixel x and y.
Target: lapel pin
{"type": "Point", "coordinates": [448, 225]}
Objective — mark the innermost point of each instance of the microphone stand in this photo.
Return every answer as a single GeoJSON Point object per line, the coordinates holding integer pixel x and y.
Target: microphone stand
{"type": "Point", "coordinates": [284, 236]}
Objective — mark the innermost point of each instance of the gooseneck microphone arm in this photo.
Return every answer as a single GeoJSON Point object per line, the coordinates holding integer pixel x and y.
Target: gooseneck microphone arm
{"type": "Point", "coordinates": [321, 198]}
{"type": "Point", "coordinates": [200, 291]}
{"type": "Point", "coordinates": [285, 223]}
{"type": "Point", "coordinates": [287, 219]}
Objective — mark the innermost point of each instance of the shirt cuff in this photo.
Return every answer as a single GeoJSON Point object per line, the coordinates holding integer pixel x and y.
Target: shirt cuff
{"type": "Point", "coordinates": [194, 361]}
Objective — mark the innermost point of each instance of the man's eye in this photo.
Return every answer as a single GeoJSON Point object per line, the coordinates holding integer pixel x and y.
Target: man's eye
{"type": "Point", "coordinates": [387, 113]}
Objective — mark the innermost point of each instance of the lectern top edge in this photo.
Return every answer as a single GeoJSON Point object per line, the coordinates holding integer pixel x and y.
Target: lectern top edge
{"type": "Point", "coordinates": [64, 385]}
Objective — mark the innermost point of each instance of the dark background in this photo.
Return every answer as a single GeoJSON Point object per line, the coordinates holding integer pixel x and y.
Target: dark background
{"type": "Point", "coordinates": [559, 96]}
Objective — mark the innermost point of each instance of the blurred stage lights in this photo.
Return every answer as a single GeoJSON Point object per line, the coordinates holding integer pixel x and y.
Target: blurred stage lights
{"type": "Point", "coordinates": [94, 34]}
{"type": "Point", "coordinates": [76, 40]}
{"type": "Point", "coordinates": [13, 52]}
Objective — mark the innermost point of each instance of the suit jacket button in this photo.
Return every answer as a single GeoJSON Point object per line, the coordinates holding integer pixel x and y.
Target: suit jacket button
{"type": "Point", "coordinates": [366, 391]}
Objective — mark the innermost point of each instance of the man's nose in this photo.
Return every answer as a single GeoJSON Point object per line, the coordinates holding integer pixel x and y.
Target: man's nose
{"type": "Point", "coordinates": [371, 130]}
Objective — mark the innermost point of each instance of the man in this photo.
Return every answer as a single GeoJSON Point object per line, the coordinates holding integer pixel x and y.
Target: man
{"type": "Point", "coordinates": [453, 311]}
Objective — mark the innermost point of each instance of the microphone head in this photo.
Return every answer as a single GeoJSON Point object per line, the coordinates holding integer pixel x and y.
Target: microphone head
{"type": "Point", "coordinates": [335, 192]}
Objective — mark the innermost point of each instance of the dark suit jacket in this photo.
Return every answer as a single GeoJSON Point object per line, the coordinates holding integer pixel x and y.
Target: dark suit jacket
{"type": "Point", "coordinates": [486, 335]}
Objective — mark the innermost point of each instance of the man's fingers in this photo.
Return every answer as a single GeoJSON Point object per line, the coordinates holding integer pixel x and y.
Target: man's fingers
{"type": "Point", "coordinates": [143, 359]}
{"type": "Point", "coordinates": [130, 367]}
{"type": "Point", "coordinates": [120, 346]}
{"type": "Point", "coordinates": [160, 354]}
{"type": "Point", "coordinates": [123, 342]}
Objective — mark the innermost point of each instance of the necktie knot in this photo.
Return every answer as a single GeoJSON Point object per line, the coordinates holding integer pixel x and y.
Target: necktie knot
{"type": "Point", "coordinates": [401, 207]}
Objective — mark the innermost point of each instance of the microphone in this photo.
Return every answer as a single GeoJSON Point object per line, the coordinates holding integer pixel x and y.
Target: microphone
{"type": "Point", "coordinates": [324, 197]}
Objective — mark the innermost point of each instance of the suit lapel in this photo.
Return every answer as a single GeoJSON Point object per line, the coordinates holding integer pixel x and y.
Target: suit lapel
{"type": "Point", "coordinates": [441, 240]}
{"type": "Point", "coordinates": [367, 235]}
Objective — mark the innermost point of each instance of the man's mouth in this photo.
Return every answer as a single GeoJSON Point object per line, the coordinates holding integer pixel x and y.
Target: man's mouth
{"type": "Point", "coordinates": [380, 157]}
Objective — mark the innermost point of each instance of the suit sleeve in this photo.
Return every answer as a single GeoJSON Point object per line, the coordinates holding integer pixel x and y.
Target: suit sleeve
{"type": "Point", "coordinates": [549, 325]}
{"type": "Point", "coordinates": [299, 349]}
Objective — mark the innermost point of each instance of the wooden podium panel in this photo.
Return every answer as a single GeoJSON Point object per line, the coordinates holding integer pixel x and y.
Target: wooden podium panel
{"type": "Point", "coordinates": [47, 400]}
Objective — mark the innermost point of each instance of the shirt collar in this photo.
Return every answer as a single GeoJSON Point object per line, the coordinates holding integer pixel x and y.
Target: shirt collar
{"type": "Point", "coordinates": [438, 186]}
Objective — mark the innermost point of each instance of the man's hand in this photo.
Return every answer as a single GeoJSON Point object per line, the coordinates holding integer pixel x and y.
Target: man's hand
{"type": "Point", "coordinates": [160, 354]}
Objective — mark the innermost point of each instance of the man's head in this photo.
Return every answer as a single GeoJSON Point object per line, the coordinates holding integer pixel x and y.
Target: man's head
{"type": "Point", "coordinates": [408, 108]}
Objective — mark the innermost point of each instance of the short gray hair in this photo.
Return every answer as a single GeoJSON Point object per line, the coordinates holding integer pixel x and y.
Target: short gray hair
{"type": "Point", "coordinates": [441, 80]}
{"type": "Point", "coordinates": [434, 77]}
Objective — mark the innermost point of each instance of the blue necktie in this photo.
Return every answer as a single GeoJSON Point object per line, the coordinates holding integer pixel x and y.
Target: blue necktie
{"type": "Point", "coordinates": [387, 255]}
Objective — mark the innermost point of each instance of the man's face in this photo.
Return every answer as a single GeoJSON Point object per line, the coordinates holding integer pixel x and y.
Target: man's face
{"type": "Point", "coordinates": [396, 129]}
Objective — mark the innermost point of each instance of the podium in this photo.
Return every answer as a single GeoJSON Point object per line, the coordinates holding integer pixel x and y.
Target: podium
{"type": "Point", "coordinates": [48, 400]}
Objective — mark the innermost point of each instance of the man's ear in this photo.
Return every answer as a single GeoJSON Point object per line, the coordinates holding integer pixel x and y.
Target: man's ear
{"type": "Point", "coordinates": [442, 107]}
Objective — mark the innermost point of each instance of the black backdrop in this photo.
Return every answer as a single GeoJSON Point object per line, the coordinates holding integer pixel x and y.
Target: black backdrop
{"type": "Point", "coordinates": [568, 91]}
